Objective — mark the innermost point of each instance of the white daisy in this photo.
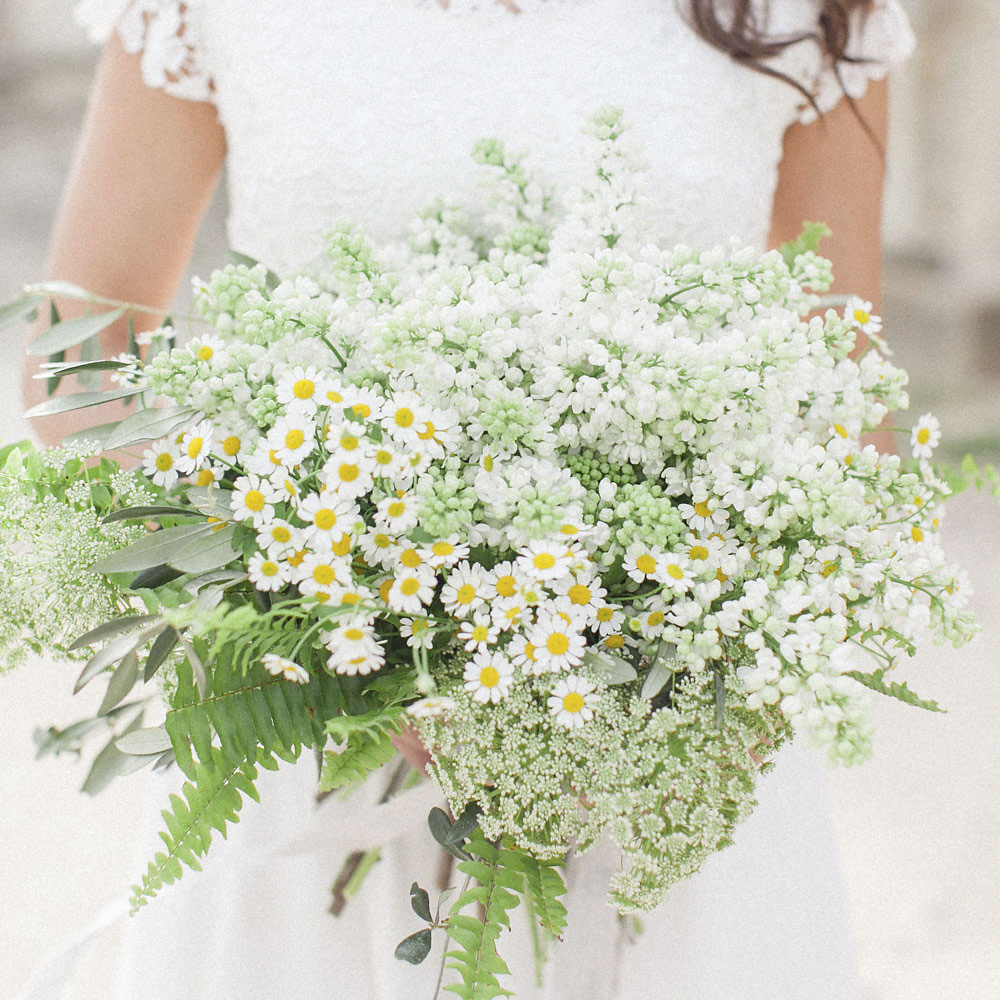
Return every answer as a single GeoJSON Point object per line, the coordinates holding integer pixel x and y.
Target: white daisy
{"type": "Point", "coordinates": [859, 313]}
{"type": "Point", "coordinates": [327, 516]}
{"type": "Point", "coordinates": [429, 708]}
{"type": "Point", "coordinates": [397, 513]}
{"type": "Point", "coordinates": [320, 573]}
{"type": "Point", "coordinates": [411, 590]}
{"type": "Point", "coordinates": [253, 498]}
{"type": "Point", "coordinates": [544, 560]}
{"type": "Point", "coordinates": [278, 537]}
{"type": "Point", "coordinates": [292, 438]}
{"type": "Point", "coordinates": [363, 404]}
{"type": "Point", "coordinates": [267, 573]}
{"type": "Point", "coordinates": [279, 666]}
{"type": "Point", "coordinates": [558, 640]}
{"type": "Point", "coordinates": [418, 632]}
{"type": "Point", "coordinates": [206, 349]}
{"type": "Point", "coordinates": [378, 548]}
{"type": "Point", "coordinates": [210, 474]}
{"type": "Point", "coordinates": [609, 619]}
{"type": "Point", "coordinates": [925, 437]}
{"type": "Point", "coordinates": [478, 633]}
{"type": "Point", "coordinates": [464, 590]}
{"type": "Point", "coordinates": [642, 563]}
{"type": "Point", "coordinates": [160, 462]}
{"type": "Point", "coordinates": [572, 701]}
{"type": "Point", "coordinates": [403, 417]}
{"type": "Point", "coordinates": [195, 446]}
{"type": "Point", "coordinates": [488, 677]}
{"type": "Point", "coordinates": [302, 388]}
{"type": "Point", "coordinates": [354, 649]}
{"type": "Point", "coordinates": [445, 552]}
{"type": "Point", "coordinates": [349, 475]}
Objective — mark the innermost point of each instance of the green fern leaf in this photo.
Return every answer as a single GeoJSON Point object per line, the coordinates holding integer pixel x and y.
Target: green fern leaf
{"type": "Point", "coordinates": [876, 681]}
{"type": "Point", "coordinates": [211, 801]}
{"type": "Point", "coordinates": [542, 885]}
{"type": "Point", "coordinates": [363, 754]}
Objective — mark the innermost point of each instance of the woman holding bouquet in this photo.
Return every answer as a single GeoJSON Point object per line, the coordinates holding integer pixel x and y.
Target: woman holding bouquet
{"type": "Point", "coordinates": [755, 117]}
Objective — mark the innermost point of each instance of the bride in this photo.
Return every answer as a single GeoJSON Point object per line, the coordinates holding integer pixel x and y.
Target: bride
{"type": "Point", "coordinates": [755, 116]}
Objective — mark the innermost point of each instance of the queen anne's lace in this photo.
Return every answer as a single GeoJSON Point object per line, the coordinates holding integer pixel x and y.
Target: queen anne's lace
{"type": "Point", "coordinates": [164, 31]}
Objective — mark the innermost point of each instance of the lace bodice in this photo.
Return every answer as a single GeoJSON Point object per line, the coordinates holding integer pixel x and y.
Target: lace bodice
{"type": "Point", "coordinates": [362, 109]}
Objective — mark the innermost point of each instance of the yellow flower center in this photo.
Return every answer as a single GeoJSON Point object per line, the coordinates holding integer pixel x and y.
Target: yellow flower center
{"type": "Point", "coordinates": [304, 388]}
{"type": "Point", "coordinates": [557, 644]}
{"type": "Point", "coordinates": [698, 552]}
{"type": "Point", "coordinates": [324, 574]}
{"type": "Point", "coordinates": [254, 501]}
{"type": "Point", "coordinates": [442, 548]}
{"type": "Point", "coordinates": [342, 546]}
{"type": "Point", "coordinates": [231, 445]}
{"type": "Point", "coordinates": [281, 534]}
{"type": "Point", "coordinates": [675, 571]}
{"type": "Point", "coordinates": [164, 462]}
{"type": "Point", "coordinates": [361, 411]}
{"type": "Point", "coordinates": [294, 439]}
{"type": "Point", "coordinates": [354, 634]}
{"type": "Point", "coordinates": [428, 433]}
{"type": "Point", "coordinates": [383, 591]}
{"type": "Point", "coordinates": [349, 442]}
{"type": "Point", "coordinates": [544, 560]}
{"type": "Point", "coordinates": [350, 599]}
{"type": "Point", "coordinates": [403, 417]}
{"type": "Point", "coordinates": [579, 594]}
{"type": "Point", "coordinates": [923, 435]}
{"type": "Point", "coordinates": [382, 541]}
{"type": "Point", "coordinates": [569, 529]}
{"type": "Point", "coordinates": [529, 651]}
{"type": "Point", "coordinates": [205, 353]}
{"type": "Point", "coordinates": [466, 594]}
{"type": "Point", "coordinates": [840, 429]}
{"type": "Point", "coordinates": [334, 397]}
{"type": "Point", "coordinates": [656, 618]}
{"type": "Point", "coordinates": [917, 533]}
{"type": "Point", "coordinates": [489, 677]}
{"type": "Point", "coordinates": [269, 568]}
{"type": "Point", "coordinates": [325, 519]}
{"type": "Point", "coordinates": [194, 447]}
{"type": "Point", "coordinates": [480, 633]}
{"type": "Point", "coordinates": [614, 641]}
{"type": "Point", "coordinates": [605, 614]}
{"type": "Point", "coordinates": [646, 564]}
{"type": "Point", "coordinates": [383, 457]}
{"type": "Point", "coordinates": [702, 509]}
{"type": "Point", "coordinates": [573, 702]}
{"type": "Point", "coordinates": [295, 559]}
{"type": "Point", "coordinates": [410, 586]}
{"type": "Point", "coordinates": [862, 316]}
{"type": "Point", "coordinates": [206, 477]}
{"type": "Point", "coordinates": [506, 586]}
{"type": "Point", "coordinates": [396, 509]}
{"type": "Point", "coordinates": [488, 463]}
{"type": "Point", "coordinates": [411, 558]}
{"type": "Point", "coordinates": [348, 473]}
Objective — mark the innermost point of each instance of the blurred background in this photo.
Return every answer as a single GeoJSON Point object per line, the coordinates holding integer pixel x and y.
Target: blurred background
{"type": "Point", "coordinates": [918, 826]}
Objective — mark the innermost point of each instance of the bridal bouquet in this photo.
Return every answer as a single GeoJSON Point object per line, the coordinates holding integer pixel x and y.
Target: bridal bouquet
{"type": "Point", "coordinates": [593, 514]}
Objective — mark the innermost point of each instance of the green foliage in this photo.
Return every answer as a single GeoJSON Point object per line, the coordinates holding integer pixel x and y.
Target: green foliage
{"type": "Point", "coordinates": [876, 681]}
{"type": "Point", "coordinates": [982, 478]}
{"type": "Point", "coordinates": [807, 242]}
{"type": "Point", "coordinates": [501, 874]}
{"type": "Point", "coordinates": [368, 740]}
{"type": "Point", "coordinates": [247, 710]}
{"type": "Point", "coordinates": [211, 801]}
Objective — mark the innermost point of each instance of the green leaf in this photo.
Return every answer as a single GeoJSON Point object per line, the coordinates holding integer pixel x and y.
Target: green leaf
{"type": "Point", "coordinates": [420, 901]}
{"type": "Point", "coordinates": [363, 754]}
{"type": "Point", "coordinates": [211, 501]}
{"type": "Point", "coordinates": [610, 669]}
{"type": "Point", "coordinates": [121, 683]}
{"type": "Point", "coordinates": [155, 576]}
{"type": "Point", "coordinates": [656, 680]}
{"type": "Point", "coordinates": [440, 827]}
{"type": "Point", "coordinates": [61, 369]}
{"type": "Point", "coordinates": [151, 550]}
{"type": "Point", "coordinates": [807, 242]}
{"type": "Point", "coordinates": [114, 651]}
{"type": "Point", "coordinates": [109, 763]}
{"type": "Point", "coordinates": [94, 436]}
{"type": "Point", "coordinates": [462, 828]}
{"type": "Point", "coordinates": [90, 378]}
{"type": "Point", "coordinates": [65, 289]}
{"type": "Point", "coordinates": [415, 948]}
{"type": "Point", "coordinates": [148, 513]}
{"type": "Point", "coordinates": [876, 682]}
{"type": "Point", "coordinates": [143, 742]}
{"type": "Point", "coordinates": [79, 401]}
{"type": "Point", "coordinates": [223, 578]}
{"type": "Point", "coordinates": [19, 310]}
{"type": "Point", "coordinates": [111, 628]}
{"type": "Point", "coordinates": [204, 553]}
{"type": "Point", "coordinates": [159, 652]}
{"type": "Point", "coordinates": [72, 332]}
{"type": "Point", "coordinates": [149, 425]}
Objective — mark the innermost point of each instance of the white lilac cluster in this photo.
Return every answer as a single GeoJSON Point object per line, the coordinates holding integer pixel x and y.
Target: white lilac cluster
{"type": "Point", "coordinates": [51, 534]}
{"type": "Point", "coordinates": [596, 469]}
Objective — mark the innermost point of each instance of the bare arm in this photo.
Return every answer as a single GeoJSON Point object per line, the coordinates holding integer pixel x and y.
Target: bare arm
{"type": "Point", "coordinates": [831, 171]}
{"type": "Point", "coordinates": [144, 172]}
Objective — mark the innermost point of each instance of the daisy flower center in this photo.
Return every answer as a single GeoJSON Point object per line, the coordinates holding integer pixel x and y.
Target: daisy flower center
{"type": "Point", "coordinates": [205, 353]}
{"type": "Point", "coordinates": [231, 445]}
{"type": "Point", "coordinates": [304, 389]}
{"type": "Point", "coordinates": [269, 568]}
{"type": "Point", "coordinates": [206, 477]}
{"type": "Point", "coordinates": [281, 534]}
{"type": "Point", "coordinates": [506, 586]}
{"type": "Point", "coordinates": [348, 473]}
{"type": "Point", "coordinates": [442, 548]}
{"type": "Point", "coordinates": [605, 614]}
{"type": "Point", "coordinates": [557, 644]}
{"type": "Point", "coordinates": [923, 435]}
{"type": "Point", "coordinates": [324, 574]}
{"type": "Point", "coordinates": [480, 633]}
{"type": "Point", "coordinates": [325, 518]}
{"type": "Point", "coordinates": [698, 552]}
{"type": "Point", "coordinates": [465, 594]}
{"type": "Point", "coordinates": [404, 417]}
{"type": "Point", "coordinates": [294, 439]}
{"type": "Point", "coordinates": [489, 677]}
{"type": "Point", "coordinates": [164, 462]}
{"type": "Point", "coordinates": [354, 634]}
{"type": "Point", "coordinates": [397, 509]}
{"type": "Point", "coordinates": [573, 702]}
{"type": "Point", "coordinates": [702, 509]}
{"type": "Point", "coordinates": [646, 564]}
{"type": "Point", "coordinates": [196, 444]}
{"type": "Point", "coordinates": [579, 594]}
{"type": "Point", "coordinates": [254, 500]}
{"type": "Point", "coordinates": [410, 558]}
{"type": "Point", "coordinates": [410, 586]}
{"type": "Point", "coordinates": [675, 571]}
{"type": "Point", "coordinates": [544, 560]}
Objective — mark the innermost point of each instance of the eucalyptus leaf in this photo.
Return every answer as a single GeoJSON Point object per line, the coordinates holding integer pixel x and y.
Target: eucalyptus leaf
{"type": "Point", "coordinates": [197, 666]}
{"type": "Point", "coordinates": [149, 425]}
{"type": "Point", "coordinates": [151, 550]}
{"type": "Point", "coordinates": [159, 652]}
{"type": "Point", "coordinates": [114, 651]}
{"type": "Point", "coordinates": [56, 741]}
{"type": "Point", "coordinates": [610, 669]}
{"type": "Point", "coordinates": [210, 500]}
{"type": "Point", "coordinates": [80, 401]}
{"type": "Point", "coordinates": [94, 436]}
{"type": "Point", "coordinates": [421, 902]}
{"type": "Point", "coordinates": [155, 576]}
{"type": "Point", "coordinates": [71, 332]}
{"type": "Point", "coordinates": [207, 553]}
{"type": "Point", "coordinates": [143, 742]}
{"type": "Point", "coordinates": [226, 577]}
{"type": "Point", "coordinates": [17, 311]}
{"type": "Point", "coordinates": [655, 681]}
{"type": "Point", "coordinates": [63, 288]}
{"type": "Point", "coordinates": [110, 762]}
{"type": "Point", "coordinates": [109, 629]}
{"type": "Point", "coordinates": [90, 378]}
{"type": "Point", "coordinates": [61, 368]}
{"type": "Point", "coordinates": [121, 683]}
{"type": "Point", "coordinates": [415, 948]}
{"type": "Point", "coordinates": [148, 513]}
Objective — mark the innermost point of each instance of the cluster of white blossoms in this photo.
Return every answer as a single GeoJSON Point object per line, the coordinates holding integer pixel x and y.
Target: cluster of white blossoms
{"type": "Point", "coordinates": [555, 467]}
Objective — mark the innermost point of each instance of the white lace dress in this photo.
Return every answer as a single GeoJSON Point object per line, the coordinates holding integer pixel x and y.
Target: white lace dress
{"type": "Point", "coordinates": [361, 109]}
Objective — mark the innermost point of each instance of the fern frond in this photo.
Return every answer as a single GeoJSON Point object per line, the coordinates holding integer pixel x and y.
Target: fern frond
{"type": "Point", "coordinates": [476, 959]}
{"type": "Point", "coordinates": [543, 885]}
{"type": "Point", "coordinates": [247, 710]}
{"type": "Point", "coordinates": [876, 682]}
{"type": "Point", "coordinates": [211, 801]}
{"type": "Point", "coordinates": [363, 754]}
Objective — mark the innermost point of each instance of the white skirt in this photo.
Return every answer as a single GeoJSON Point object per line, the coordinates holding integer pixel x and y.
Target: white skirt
{"type": "Point", "coordinates": [763, 919]}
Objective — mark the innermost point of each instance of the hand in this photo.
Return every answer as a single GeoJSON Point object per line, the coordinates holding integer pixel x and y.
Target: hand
{"type": "Point", "coordinates": [408, 743]}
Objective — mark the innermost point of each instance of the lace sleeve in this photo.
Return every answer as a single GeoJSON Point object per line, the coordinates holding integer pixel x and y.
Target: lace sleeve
{"type": "Point", "coordinates": [165, 32]}
{"type": "Point", "coordinates": [879, 39]}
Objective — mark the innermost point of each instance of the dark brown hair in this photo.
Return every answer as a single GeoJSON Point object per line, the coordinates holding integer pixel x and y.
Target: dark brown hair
{"type": "Point", "coordinates": [734, 26]}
